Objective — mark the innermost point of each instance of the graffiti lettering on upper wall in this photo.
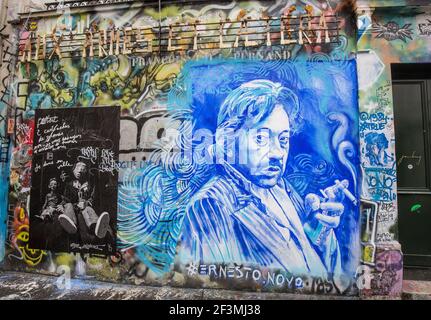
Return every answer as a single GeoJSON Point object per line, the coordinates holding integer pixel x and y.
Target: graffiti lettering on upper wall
{"type": "Point", "coordinates": [393, 31]}
{"type": "Point", "coordinates": [94, 41]}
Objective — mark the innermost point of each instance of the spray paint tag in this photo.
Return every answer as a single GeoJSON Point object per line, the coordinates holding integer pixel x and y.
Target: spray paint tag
{"type": "Point", "coordinates": [10, 126]}
{"type": "Point", "coordinates": [415, 208]}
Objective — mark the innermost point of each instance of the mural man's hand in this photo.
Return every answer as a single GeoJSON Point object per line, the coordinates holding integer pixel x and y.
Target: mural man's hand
{"type": "Point", "coordinates": [327, 210]}
{"type": "Point", "coordinates": [331, 214]}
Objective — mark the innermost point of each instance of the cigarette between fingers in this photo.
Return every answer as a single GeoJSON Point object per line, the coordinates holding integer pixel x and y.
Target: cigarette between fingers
{"type": "Point", "coordinates": [332, 206]}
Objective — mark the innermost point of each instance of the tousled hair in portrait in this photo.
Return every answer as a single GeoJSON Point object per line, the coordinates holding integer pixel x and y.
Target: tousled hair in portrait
{"type": "Point", "coordinates": [253, 102]}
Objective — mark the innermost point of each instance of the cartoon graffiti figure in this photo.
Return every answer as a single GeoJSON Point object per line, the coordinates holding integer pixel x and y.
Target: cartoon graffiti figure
{"type": "Point", "coordinates": [392, 31]}
{"type": "Point", "coordinates": [79, 198]}
{"type": "Point", "coordinates": [53, 202]}
{"type": "Point", "coordinates": [376, 145]}
{"type": "Point", "coordinates": [425, 28]}
{"type": "Point", "coordinates": [248, 212]}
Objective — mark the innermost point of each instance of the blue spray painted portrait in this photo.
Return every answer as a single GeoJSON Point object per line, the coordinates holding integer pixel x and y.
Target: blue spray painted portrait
{"type": "Point", "coordinates": [262, 171]}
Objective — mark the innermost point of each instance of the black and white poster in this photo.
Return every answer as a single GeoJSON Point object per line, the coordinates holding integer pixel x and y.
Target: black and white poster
{"type": "Point", "coordinates": [73, 204]}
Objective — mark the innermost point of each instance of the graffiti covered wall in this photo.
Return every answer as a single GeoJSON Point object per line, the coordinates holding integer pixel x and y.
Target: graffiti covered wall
{"type": "Point", "coordinates": [388, 39]}
{"type": "Point", "coordinates": [194, 207]}
{"type": "Point", "coordinates": [385, 37]}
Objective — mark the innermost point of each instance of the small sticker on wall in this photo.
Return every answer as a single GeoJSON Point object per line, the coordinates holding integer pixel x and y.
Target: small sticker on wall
{"type": "Point", "coordinates": [416, 208]}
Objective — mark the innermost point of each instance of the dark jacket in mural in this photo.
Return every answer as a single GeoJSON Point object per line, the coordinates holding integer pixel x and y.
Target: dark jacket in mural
{"type": "Point", "coordinates": [228, 222]}
{"type": "Point", "coordinates": [76, 192]}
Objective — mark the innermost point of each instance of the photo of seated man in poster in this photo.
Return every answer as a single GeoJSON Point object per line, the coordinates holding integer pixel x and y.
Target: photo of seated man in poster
{"type": "Point", "coordinates": [79, 197]}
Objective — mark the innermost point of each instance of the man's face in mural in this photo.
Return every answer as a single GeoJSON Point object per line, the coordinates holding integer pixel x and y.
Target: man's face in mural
{"type": "Point", "coordinates": [266, 148]}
